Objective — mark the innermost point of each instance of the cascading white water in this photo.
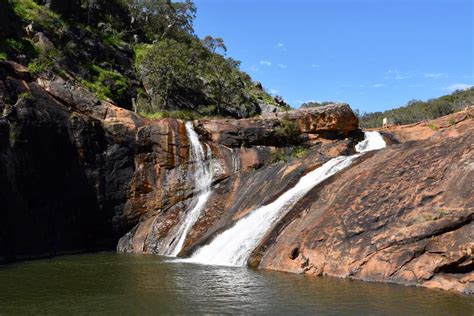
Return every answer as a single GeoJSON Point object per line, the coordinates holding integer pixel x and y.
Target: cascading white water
{"type": "Point", "coordinates": [202, 179]}
{"type": "Point", "coordinates": [372, 141]}
{"type": "Point", "coordinates": [234, 246]}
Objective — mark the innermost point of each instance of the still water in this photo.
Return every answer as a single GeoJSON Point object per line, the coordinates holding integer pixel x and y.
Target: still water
{"type": "Point", "coordinates": [110, 283]}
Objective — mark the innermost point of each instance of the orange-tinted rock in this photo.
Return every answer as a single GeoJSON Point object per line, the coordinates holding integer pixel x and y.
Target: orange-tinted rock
{"type": "Point", "coordinates": [333, 120]}
{"type": "Point", "coordinates": [424, 130]}
{"type": "Point", "coordinates": [402, 214]}
{"type": "Point", "coordinates": [77, 173]}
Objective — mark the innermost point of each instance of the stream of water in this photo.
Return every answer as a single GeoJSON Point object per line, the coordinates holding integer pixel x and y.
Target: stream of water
{"type": "Point", "coordinates": [202, 178]}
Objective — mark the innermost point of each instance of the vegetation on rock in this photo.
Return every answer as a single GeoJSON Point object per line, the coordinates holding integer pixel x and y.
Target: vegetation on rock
{"type": "Point", "coordinates": [312, 104]}
{"type": "Point", "coordinates": [134, 53]}
{"type": "Point", "coordinates": [289, 130]}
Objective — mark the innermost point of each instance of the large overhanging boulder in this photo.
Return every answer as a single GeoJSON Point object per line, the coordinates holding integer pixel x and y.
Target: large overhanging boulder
{"type": "Point", "coordinates": [334, 120]}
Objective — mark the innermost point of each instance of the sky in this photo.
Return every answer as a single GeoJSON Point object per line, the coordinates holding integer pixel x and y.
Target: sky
{"type": "Point", "coordinates": [373, 54]}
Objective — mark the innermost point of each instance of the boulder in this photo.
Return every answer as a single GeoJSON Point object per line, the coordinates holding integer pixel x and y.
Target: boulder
{"type": "Point", "coordinates": [331, 121]}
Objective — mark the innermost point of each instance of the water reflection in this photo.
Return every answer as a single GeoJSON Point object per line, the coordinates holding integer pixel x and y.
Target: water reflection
{"type": "Point", "coordinates": [137, 284]}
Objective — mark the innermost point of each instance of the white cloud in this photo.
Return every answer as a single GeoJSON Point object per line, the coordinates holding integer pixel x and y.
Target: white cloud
{"type": "Point", "coordinates": [282, 66]}
{"type": "Point", "coordinates": [253, 69]}
{"type": "Point", "coordinates": [379, 85]}
{"type": "Point", "coordinates": [273, 91]}
{"type": "Point", "coordinates": [435, 75]}
{"type": "Point", "coordinates": [266, 63]}
{"type": "Point", "coordinates": [458, 86]}
{"type": "Point", "coordinates": [314, 65]}
{"type": "Point", "coordinates": [280, 45]}
{"type": "Point", "coordinates": [395, 74]}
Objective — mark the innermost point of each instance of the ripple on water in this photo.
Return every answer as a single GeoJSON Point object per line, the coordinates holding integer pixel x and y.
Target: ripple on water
{"type": "Point", "coordinates": [140, 284]}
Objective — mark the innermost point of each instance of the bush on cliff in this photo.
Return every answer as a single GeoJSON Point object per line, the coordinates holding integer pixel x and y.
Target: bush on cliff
{"type": "Point", "coordinates": [313, 104]}
{"type": "Point", "coordinates": [288, 130]}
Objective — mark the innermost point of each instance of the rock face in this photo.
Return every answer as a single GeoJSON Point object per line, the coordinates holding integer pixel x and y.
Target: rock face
{"type": "Point", "coordinates": [244, 175]}
{"type": "Point", "coordinates": [332, 121]}
{"type": "Point", "coordinates": [403, 215]}
{"type": "Point", "coordinates": [56, 162]}
{"type": "Point", "coordinates": [76, 173]}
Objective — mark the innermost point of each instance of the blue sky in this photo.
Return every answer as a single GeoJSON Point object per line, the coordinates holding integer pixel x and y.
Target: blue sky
{"type": "Point", "coordinates": [375, 55]}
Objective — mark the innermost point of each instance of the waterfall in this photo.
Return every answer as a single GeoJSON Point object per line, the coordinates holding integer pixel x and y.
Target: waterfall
{"type": "Point", "coordinates": [372, 141]}
{"type": "Point", "coordinates": [234, 246]}
{"type": "Point", "coordinates": [202, 182]}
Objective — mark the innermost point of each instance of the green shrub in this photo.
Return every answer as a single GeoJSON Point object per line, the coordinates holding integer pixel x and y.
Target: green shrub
{"type": "Point", "coordinates": [288, 130]}
{"type": "Point", "coordinates": [26, 95]}
{"type": "Point", "coordinates": [152, 116]}
{"type": "Point", "coordinates": [29, 10]}
{"type": "Point", "coordinates": [140, 52]}
{"type": "Point", "coordinates": [299, 152]}
{"type": "Point", "coordinates": [38, 66]}
{"type": "Point", "coordinates": [106, 83]}
{"type": "Point", "coordinates": [278, 156]}
{"type": "Point", "coordinates": [10, 47]}
{"type": "Point", "coordinates": [433, 127]}
{"type": "Point", "coordinates": [182, 115]}
{"type": "Point", "coordinates": [313, 104]}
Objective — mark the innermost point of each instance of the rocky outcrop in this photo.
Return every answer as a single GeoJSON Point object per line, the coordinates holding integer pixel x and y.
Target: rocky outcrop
{"type": "Point", "coordinates": [56, 164]}
{"type": "Point", "coordinates": [332, 121]}
{"type": "Point", "coordinates": [402, 215]}
{"type": "Point", "coordinates": [76, 173]}
{"type": "Point", "coordinates": [425, 130]}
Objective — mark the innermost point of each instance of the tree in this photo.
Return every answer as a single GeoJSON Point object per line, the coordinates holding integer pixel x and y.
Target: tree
{"type": "Point", "coordinates": [169, 66]}
{"type": "Point", "coordinates": [214, 44]}
{"type": "Point", "coordinates": [224, 83]}
{"type": "Point", "coordinates": [163, 18]}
